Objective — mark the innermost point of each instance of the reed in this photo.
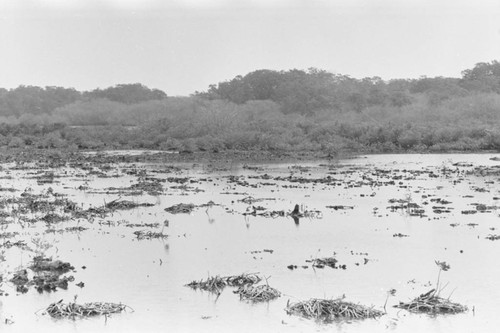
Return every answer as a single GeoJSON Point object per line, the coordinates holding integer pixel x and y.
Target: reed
{"type": "Point", "coordinates": [432, 303]}
{"type": "Point", "coordinates": [65, 310]}
{"type": "Point", "coordinates": [262, 293]}
{"type": "Point", "coordinates": [331, 309]}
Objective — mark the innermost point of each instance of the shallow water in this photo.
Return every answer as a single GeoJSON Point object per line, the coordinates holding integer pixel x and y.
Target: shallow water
{"type": "Point", "coordinates": [149, 275]}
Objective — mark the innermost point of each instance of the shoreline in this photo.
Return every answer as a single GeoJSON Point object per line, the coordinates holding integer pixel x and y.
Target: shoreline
{"type": "Point", "coordinates": [145, 155]}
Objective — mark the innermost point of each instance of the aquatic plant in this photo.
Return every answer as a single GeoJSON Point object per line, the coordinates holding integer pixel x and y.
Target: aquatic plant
{"type": "Point", "coordinates": [65, 310]}
{"type": "Point", "coordinates": [242, 280]}
{"type": "Point", "coordinates": [431, 302]}
{"type": "Point", "coordinates": [212, 284]}
{"type": "Point", "coordinates": [331, 309]}
{"type": "Point", "coordinates": [217, 283]}
{"type": "Point", "coordinates": [321, 262]}
{"type": "Point", "coordinates": [262, 293]}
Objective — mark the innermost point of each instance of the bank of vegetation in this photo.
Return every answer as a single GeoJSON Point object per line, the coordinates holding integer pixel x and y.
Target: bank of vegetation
{"type": "Point", "coordinates": [292, 110]}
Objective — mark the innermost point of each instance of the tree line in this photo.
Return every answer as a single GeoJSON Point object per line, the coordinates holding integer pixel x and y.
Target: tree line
{"type": "Point", "coordinates": [273, 110]}
{"type": "Point", "coordinates": [35, 100]}
{"type": "Point", "coordinates": [306, 92]}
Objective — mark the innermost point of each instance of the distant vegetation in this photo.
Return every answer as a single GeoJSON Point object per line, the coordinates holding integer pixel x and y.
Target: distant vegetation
{"type": "Point", "coordinates": [271, 110]}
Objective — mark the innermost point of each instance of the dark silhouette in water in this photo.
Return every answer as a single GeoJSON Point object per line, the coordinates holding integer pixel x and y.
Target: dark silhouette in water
{"type": "Point", "coordinates": [295, 214]}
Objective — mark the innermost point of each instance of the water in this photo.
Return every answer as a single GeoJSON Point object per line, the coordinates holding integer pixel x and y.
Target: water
{"type": "Point", "coordinates": [149, 275]}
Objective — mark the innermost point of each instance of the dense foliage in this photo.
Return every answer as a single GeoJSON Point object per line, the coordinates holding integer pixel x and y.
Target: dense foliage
{"type": "Point", "coordinates": [272, 110]}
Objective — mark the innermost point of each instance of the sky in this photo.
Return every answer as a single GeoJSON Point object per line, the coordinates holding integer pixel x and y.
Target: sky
{"type": "Point", "coordinates": [183, 46]}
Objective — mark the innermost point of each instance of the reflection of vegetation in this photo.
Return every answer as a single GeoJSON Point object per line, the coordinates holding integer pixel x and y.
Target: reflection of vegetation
{"type": "Point", "coordinates": [265, 110]}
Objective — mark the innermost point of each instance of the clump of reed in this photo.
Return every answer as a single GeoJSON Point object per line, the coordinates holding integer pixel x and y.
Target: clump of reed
{"type": "Point", "coordinates": [262, 293]}
{"type": "Point", "coordinates": [322, 262]}
{"type": "Point", "coordinates": [216, 284]}
{"type": "Point", "coordinates": [66, 310]}
{"type": "Point", "coordinates": [331, 309]}
{"type": "Point", "coordinates": [242, 280]}
{"type": "Point", "coordinates": [432, 303]}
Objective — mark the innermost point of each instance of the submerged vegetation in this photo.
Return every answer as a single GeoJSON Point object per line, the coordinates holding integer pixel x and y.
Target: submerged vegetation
{"type": "Point", "coordinates": [293, 110]}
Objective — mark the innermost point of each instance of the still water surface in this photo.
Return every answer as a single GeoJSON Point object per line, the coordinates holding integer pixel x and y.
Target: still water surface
{"type": "Point", "coordinates": [149, 275]}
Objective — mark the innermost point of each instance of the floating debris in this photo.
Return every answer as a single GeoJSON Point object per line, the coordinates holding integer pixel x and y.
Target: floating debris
{"type": "Point", "coordinates": [48, 274]}
{"type": "Point", "coordinates": [251, 200]}
{"type": "Point", "coordinates": [431, 303]}
{"type": "Point", "coordinates": [20, 278]}
{"type": "Point", "coordinates": [20, 244]}
{"type": "Point", "coordinates": [216, 284]}
{"type": "Point", "coordinates": [331, 309]}
{"type": "Point", "coordinates": [53, 218]}
{"type": "Point", "coordinates": [212, 284]}
{"type": "Point", "coordinates": [322, 262]}
{"type": "Point", "coordinates": [140, 225]}
{"type": "Point", "coordinates": [340, 207]}
{"type": "Point", "coordinates": [180, 208]}
{"type": "Point", "coordinates": [125, 204]}
{"type": "Point", "coordinates": [146, 234]}
{"type": "Point", "coordinates": [296, 213]}
{"type": "Point", "coordinates": [242, 280]}
{"type": "Point", "coordinates": [493, 237]}
{"type": "Point", "coordinates": [262, 293]}
{"type": "Point", "coordinates": [75, 229]}
{"type": "Point", "coordinates": [40, 263]}
{"type": "Point", "coordinates": [65, 310]}
{"type": "Point", "coordinates": [49, 281]}
{"type": "Point", "coordinates": [152, 187]}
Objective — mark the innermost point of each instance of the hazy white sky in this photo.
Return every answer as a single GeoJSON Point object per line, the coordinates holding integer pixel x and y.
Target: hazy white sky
{"type": "Point", "coordinates": [181, 46]}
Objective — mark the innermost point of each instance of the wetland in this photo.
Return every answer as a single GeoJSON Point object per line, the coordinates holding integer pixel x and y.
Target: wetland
{"type": "Point", "coordinates": [136, 241]}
